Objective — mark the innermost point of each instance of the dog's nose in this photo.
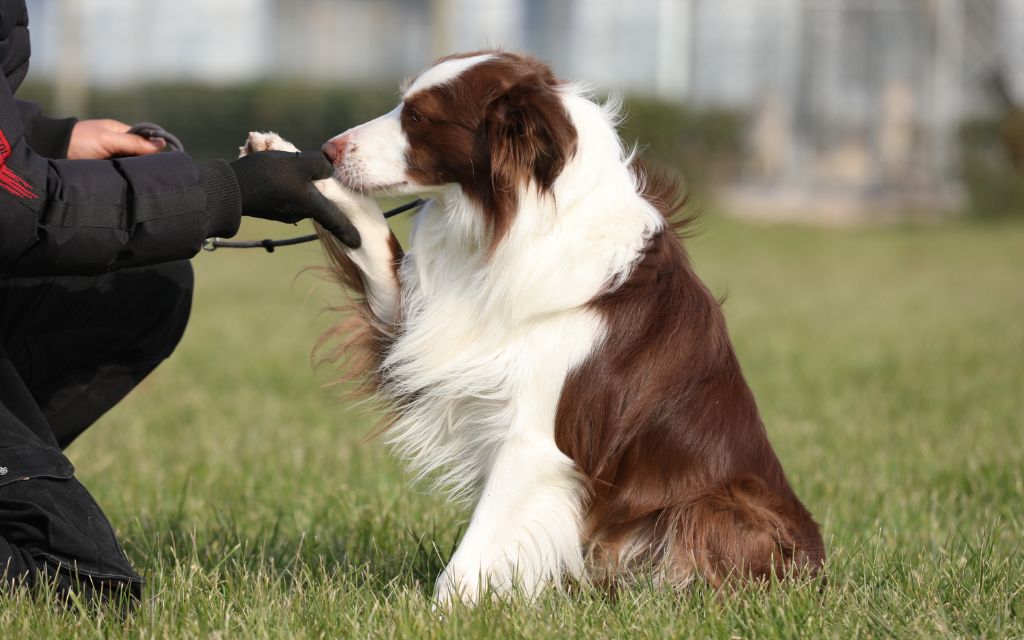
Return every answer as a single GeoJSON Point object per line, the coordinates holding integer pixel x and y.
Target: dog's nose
{"type": "Point", "coordinates": [334, 149]}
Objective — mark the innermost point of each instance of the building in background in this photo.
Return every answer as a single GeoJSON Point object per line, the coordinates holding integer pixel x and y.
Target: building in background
{"type": "Point", "coordinates": [854, 104]}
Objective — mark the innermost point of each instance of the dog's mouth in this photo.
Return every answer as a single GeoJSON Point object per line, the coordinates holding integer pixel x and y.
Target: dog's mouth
{"type": "Point", "coordinates": [401, 187]}
{"type": "Point", "coordinates": [389, 189]}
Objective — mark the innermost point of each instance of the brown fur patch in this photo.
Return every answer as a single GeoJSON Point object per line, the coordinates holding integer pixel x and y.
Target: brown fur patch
{"type": "Point", "coordinates": [493, 129]}
{"type": "Point", "coordinates": [667, 434]}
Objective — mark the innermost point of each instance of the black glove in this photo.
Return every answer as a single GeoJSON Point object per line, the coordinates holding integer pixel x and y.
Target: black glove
{"type": "Point", "coordinates": [278, 185]}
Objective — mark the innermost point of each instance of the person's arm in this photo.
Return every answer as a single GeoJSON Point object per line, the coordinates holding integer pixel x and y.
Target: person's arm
{"type": "Point", "coordinates": [91, 216]}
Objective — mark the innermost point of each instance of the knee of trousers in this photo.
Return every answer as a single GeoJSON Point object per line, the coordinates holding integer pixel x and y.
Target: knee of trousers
{"type": "Point", "coordinates": [181, 274]}
{"type": "Point", "coordinates": [170, 288]}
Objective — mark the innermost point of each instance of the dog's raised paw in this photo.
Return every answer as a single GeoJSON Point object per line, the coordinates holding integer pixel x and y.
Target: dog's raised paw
{"type": "Point", "coordinates": [268, 141]}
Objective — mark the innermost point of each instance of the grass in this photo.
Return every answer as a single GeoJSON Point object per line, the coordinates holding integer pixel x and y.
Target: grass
{"type": "Point", "coordinates": [887, 362]}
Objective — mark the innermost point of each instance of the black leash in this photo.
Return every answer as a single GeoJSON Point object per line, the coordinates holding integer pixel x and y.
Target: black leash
{"type": "Point", "coordinates": [212, 244]}
{"type": "Point", "coordinates": [150, 130]}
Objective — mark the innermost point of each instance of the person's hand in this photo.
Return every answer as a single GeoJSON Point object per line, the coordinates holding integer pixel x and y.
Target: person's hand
{"type": "Point", "coordinates": [278, 185]}
{"type": "Point", "coordinates": [100, 139]}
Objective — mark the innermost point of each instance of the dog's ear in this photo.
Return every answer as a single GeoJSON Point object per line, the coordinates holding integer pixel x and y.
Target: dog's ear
{"type": "Point", "coordinates": [530, 133]}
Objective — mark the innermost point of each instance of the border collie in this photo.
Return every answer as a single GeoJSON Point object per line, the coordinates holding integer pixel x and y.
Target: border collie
{"type": "Point", "coordinates": [546, 348]}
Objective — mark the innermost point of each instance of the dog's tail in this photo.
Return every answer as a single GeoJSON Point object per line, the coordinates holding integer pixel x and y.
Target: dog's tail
{"type": "Point", "coordinates": [743, 530]}
{"type": "Point", "coordinates": [734, 532]}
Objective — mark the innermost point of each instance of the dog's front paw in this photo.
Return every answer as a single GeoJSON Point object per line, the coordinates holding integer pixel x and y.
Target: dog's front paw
{"type": "Point", "coordinates": [455, 586]}
{"type": "Point", "coordinates": [268, 141]}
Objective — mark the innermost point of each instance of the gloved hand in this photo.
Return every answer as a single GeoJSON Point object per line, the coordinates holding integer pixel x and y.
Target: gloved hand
{"type": "Point", "coordinates": [278, 185]}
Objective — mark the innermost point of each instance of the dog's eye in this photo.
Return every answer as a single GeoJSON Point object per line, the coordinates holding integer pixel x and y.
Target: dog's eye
{"type": "Point", "coordinates": [416, 116]}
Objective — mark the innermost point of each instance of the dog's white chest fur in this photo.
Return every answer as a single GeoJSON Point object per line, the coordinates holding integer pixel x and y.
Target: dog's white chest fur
{"type": "Point", "coordinates": [482, 352]}
{"type": "Point", "coordinates": [477, 367]}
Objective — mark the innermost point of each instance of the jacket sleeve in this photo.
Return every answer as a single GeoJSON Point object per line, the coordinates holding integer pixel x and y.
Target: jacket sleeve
{"type": "Point", "coordinates": [49, 137]}
{"type": "Point", "coordinates": [65, 217]}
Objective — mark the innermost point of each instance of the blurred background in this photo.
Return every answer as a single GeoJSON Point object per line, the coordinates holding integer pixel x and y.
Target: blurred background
{"type": "Point", "coordinates": [830, 111]}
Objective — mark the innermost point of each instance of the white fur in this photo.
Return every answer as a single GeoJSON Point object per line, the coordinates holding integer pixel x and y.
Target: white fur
{"type": "Point", "coordinates": [374, 155]}
{"type": "Point", "coordinates": [445, 72]}
{"type": "Point", "coordinates": [486, 343]}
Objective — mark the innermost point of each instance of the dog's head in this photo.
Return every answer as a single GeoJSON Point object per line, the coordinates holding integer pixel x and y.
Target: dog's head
{"type": "Point", "coordinates": [489, 124]}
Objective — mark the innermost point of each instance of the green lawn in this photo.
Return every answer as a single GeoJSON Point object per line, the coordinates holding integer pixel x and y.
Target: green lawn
{"type": "Point", "coordinates": [889, 364]}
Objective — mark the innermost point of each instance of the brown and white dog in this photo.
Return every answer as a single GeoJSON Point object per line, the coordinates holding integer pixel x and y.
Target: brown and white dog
{"type": "Point", "coordinates": [546, 346]}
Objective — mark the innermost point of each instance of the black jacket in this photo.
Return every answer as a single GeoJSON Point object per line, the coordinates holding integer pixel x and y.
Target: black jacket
{"type": "Point", "coordinates": [66, 217]}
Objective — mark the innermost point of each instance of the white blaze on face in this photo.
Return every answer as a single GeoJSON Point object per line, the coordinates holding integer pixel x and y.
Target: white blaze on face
{"type": "Point", "coordinates": [374, 156]}
{"type": "Point", "coordinates": [444, 72]}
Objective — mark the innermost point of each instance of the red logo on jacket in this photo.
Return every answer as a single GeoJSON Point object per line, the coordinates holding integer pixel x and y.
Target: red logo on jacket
{"type": "Point", "coordinates": [11, 182]}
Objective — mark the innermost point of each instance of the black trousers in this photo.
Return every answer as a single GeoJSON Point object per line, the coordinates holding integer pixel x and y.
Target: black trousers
{"type": "Point", "coordinates": [70, 349]}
